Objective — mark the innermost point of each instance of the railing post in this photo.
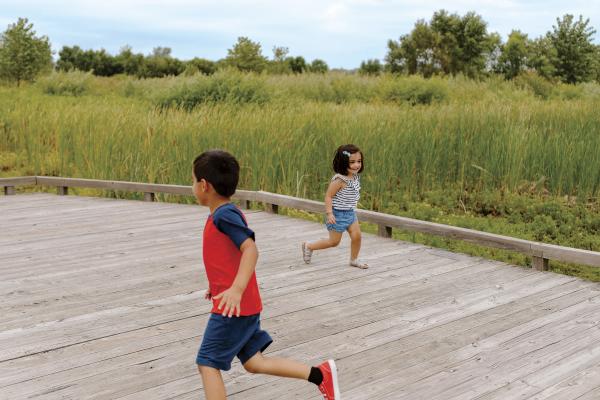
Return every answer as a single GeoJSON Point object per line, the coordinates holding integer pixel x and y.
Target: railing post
{"type": "Point", "coordinates": [539, 263]}
{"type": "Point", "coordinates": [272, 208]}
{"type": "Point", "coordinates": [149, 196]}
{"type": "Point", "coordinates": [245, 204]}
{"type": "Point", "coordinates": [9, 190]}
{"type": "Point", "coordinates": [62, 190]}
{"type": "Point", "coordinates": [384, 231]}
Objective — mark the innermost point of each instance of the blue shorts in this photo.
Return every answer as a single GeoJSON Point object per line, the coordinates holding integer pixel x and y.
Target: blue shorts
{"type": "Point", "coordinates": [343, 220]}
{"type": "Point", "coordinates": [225, 338]}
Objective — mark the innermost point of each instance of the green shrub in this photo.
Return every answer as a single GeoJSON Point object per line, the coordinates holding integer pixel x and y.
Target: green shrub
{"type": "Point", "coordinates": [227, 87]}
{"type": "Point", "coordinates": [569, 92]}
{"type": "Point", "coordinates": [73, 83]}
{"type": "Point", "coordinates": [540, 86]}
{"type": "Point", "coordinates": [415, 90]}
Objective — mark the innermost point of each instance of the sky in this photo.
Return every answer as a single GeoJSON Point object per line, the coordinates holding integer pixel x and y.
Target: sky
{"type": "Point", "coordinates": [341, 32]}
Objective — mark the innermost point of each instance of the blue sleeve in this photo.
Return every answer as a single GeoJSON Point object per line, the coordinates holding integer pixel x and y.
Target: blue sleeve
{"type": "Point", "coordinates": [229, 220]}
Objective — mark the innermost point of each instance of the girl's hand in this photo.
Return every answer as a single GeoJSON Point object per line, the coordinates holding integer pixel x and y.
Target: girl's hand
{"type": "Point", "coordinates": [330, 218]}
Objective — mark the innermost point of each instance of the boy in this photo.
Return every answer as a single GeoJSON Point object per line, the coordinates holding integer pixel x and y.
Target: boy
{"type": "Point", "coordinates": [230, 256]}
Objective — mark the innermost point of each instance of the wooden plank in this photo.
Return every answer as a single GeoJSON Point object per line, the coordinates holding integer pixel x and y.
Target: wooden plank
{"type": "Point", "coordinates": [451, 373]}
{"type": "Point", "coordinates": [193, 381]}
{"type": "Point", "coordinates": [573, 387]}
{"type": "Point", "coordinates": [591, 395]}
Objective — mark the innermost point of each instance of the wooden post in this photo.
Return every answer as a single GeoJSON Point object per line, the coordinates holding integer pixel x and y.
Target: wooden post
{"type": "Point", "coordinates": [149, 196]}
{"type": "Point", "coordinates": [62, 190]}
{"type": "Point", "coordinates": [9, 190]}
{"type": "Point", "coordinates": [245, 204]}
{"type": "Point", "coordinates": [272, 208]}
{"type": "Point", "coordinates": [384, 231]}
{"type": "Point", "coordinates": [539, 263]}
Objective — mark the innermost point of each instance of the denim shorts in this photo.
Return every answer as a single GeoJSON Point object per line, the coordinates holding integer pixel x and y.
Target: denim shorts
{"type": "Point", "coordinates": [343, 220]}
{"type": "Point", "coordinates": [226, 338]}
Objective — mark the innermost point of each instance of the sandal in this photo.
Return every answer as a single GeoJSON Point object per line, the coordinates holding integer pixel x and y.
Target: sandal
{"type": "Point", "coordinates": [306, 253]}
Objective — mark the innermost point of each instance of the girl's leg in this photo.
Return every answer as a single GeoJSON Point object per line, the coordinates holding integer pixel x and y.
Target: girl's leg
{"type": "Point", "coordinates": [214, 388]}
{"type": "Point", "coordinates": [260, 364]}
{"type": "Point", "coordinates": [332, 241]}
{"type": "Point", "coordinates": [355, 242]}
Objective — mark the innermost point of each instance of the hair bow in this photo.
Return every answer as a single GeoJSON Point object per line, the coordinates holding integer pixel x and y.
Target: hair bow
{"type": "Point", "coordinates": [346, 153]}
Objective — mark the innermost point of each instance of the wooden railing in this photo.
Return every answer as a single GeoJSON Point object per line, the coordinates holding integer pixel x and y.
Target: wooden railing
{"type": "Point", "coordinates": [539, 252]}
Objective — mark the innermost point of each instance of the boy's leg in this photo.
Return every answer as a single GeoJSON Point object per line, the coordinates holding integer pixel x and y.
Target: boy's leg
{"type": "Point", "coordinates": [324, 375]}
{"type": "Point", "coordinates": [259, 364]}
{"type": "Point", "coordinates": [214, 388]}
{"type": "Point", "coordinates": [332, 241]}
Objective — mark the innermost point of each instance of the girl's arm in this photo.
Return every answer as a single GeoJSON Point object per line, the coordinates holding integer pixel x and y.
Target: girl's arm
{"type": "Point", "coordinates": [334, 187]}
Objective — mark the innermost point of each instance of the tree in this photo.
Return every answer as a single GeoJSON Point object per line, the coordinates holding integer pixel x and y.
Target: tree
{"type": "Point", "coordinates": [542, 57]}
{"type": "Point", "coordinates": [279, 65]}
{"type": "Point", "coordinates": [105, 64]}
{"type": "Point", "coordinates": [297, 64]}
{"type": "Point", "coordinates": [279, 53]}
{"type": "Point", "coordinates": [23, 55]}
{"type": "Point", "coordinates": [246, 56]}
{"type": "Point", "coordinates": [370, 67]}
{"type": "Point", "coordinates": [462, 43]}
{"type": "Point", "coordinates": [514, 55]}
{"type": "Point", "coordinates": [448, 44]}
{"type": "Point", "coordinates": [318, 66]}
{"type": "Point", "coordinates": [446, 28]}
{"type": "Point", "coordinates": [160, 64]}
{"type": "Point", "coordinates": [201, 65]}
{"type": "Point", "coordinates": [131, 62]}
{"type": "Point", "coordinates": [414, 53]}
{"type": "Point", "coordinates": [596, 64]}
{"type": "Point", "coordinates": [574, 49]}
{"type": "Point", "coordinates": [99, 62]}
{"type": "Point", "coordinates": [71, 58]}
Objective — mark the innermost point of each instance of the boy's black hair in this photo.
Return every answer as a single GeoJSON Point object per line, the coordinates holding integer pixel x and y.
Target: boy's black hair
{"type": "Point", "coordinates": [220, 169]}
{"type": "Point", "coordinates": [341, 161]}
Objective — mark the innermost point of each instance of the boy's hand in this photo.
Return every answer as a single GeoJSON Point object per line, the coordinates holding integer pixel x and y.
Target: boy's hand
{"type": "Point", "coordinates": [230, 301]}
{"type": "Point", "coordinates": [207, 295]}
{"type": "Point", "coordinates": [330, 218]}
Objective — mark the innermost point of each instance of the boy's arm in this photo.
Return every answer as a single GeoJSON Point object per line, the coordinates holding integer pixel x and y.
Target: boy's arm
{"type": "Point", "coordinates": [232, 297]}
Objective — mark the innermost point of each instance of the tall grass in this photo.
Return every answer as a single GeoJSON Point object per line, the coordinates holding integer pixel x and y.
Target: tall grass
{"type": "Point", "coordinates": [477, 136]}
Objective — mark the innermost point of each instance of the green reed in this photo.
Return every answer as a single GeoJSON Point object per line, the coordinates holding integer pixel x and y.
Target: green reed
{"type": "Point", "coordinates": [482, 136]}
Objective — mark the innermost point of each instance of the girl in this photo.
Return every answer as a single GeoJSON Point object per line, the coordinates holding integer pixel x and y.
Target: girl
{"type": "Point", "coordinates": [341, 199]}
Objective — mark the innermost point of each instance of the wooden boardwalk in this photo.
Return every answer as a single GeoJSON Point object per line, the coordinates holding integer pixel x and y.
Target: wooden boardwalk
{"type": "Point", "coordinates": [102, 299]}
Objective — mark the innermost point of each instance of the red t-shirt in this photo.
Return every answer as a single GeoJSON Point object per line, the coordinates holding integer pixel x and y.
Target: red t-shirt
{"type": "Point", "coordinates": [225, 230]}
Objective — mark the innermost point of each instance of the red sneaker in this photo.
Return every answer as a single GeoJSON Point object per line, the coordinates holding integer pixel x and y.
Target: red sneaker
{"type": "Point", "coordinates": [329, 387]}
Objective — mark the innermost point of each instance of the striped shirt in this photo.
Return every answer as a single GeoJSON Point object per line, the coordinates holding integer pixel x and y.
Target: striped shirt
{"type": "Point", "coordinates": [347, 197]}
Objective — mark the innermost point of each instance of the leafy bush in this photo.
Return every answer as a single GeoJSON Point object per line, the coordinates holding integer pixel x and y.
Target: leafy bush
{"type": "Point", "coordinates": [569, 92]}
{"type": "Point", "coordinates": [74, 83]}
{"type": "Point", "coordinates": [540, 86]}
{"type": "Point", "coordinates": [225, 87]}
{"type": "Point", "coordinates": [415, 90]}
